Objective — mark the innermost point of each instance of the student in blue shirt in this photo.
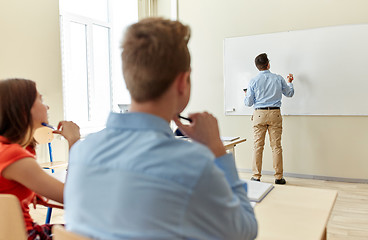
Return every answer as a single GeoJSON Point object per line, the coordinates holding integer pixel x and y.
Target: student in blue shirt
{"type": "Point", "coordinates": [134, 179]}
{"type": "Point", "coordinates": [265, 92]}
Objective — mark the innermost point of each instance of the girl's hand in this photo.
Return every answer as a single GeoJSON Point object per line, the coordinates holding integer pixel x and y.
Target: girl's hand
{"type": "Point", "coordinates": [69, 130]}
{"type": "Point", "coordinates": [38, 199]}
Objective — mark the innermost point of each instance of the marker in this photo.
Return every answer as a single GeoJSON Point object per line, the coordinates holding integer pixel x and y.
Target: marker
{"type": "Point", "coordinates": [47, 125]}
{"type": "Point", "coordinates": [244, 89]}
{"type": "Point", "coordinates": [291, 77]}
{"type": "Point", "coordinates": [188, 119]}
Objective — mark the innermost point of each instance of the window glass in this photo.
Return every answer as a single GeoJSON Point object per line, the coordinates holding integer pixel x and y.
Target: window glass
{"type": "Point", "coordinates": [96, 9]}
{"type": "Point", "coordinates": [76, 97]}
{"type": "Point", "coordinates": [101, 73]}
{"type": "Point", "coordinates": [92, 72]}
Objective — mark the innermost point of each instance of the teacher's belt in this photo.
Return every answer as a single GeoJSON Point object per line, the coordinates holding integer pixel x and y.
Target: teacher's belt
{"type": "Point", "coordinates": [268, 108]}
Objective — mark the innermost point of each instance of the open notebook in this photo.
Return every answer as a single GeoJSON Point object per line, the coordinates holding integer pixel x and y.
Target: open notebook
{"type": "Point", "coordinates": [257, 190]}
{"type": "Point", "coordinates": [228, 139]}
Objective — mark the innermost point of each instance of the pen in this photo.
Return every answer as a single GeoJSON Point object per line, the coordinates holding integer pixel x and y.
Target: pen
{"type": "Point", "coordinates": [47, 125]}
{"type": "Point", "coordinates": [188, 119]}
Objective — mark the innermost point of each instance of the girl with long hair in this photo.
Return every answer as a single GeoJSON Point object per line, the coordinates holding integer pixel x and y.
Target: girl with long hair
{"type": "Point", "coordinates": [21, 113]}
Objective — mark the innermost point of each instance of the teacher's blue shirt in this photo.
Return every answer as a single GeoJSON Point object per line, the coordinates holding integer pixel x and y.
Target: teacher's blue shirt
{"type": "Point", "coordinates": [135, 180]}
{"type": "Point", "coordinates": [266, 89]}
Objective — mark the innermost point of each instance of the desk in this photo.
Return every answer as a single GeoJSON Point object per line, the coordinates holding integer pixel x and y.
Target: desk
{"type": "Point", "coordinates": [290, 212]}
{"type": "Point", "coordinates": [230, 145]}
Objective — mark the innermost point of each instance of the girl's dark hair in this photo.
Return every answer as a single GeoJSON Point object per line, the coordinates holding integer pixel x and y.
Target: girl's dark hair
{"type": "Point", "coordinates": [16, 100]}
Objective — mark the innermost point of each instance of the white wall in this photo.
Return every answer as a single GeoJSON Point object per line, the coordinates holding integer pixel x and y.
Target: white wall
{"type": "Point", "coordinates": [30, 48]}
{"type": "Point", "coordinates": [313, 145]}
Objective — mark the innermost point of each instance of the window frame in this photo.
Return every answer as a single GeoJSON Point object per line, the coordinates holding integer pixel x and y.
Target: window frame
{"type": "Point", "coordinates": [66, 18]}
{"type": "Point", "coordinates": [145, 8]}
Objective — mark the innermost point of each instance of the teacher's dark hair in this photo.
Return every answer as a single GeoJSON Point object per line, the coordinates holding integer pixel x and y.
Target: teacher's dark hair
{"type": "Point", "coordinates": [16, 100]}
{"type": "Point", "coordinates": [261, 61]}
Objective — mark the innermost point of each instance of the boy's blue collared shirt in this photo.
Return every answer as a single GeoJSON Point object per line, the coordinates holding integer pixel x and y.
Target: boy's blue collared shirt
{"type": "Point", "coordinates": [135, 180]}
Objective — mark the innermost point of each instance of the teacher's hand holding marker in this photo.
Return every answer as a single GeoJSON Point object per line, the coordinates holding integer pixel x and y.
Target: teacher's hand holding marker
{"type": "Point", "coordinates": [290, 77]}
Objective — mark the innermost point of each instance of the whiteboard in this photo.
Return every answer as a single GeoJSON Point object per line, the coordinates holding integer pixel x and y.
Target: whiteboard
{"type": "Point", "coordinates": [330, 67]}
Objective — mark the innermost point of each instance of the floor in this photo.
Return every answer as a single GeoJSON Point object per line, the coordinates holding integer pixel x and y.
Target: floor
{"type": "Point", "coordinates": [39, 215]}
{"type": "Point", "coordinates": [349, 219]}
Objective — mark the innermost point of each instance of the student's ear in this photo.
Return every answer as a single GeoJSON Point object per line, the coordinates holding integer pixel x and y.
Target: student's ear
{"type": "Point", "coordinates": [183, 81]}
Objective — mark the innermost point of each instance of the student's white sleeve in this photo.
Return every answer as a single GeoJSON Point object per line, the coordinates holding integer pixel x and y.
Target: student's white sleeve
{"type": "Point", "coordinates": [219, 205]}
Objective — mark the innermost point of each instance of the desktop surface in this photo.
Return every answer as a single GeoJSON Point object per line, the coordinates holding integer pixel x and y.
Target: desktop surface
{"type": "Point", "coordinates": [290, 212]}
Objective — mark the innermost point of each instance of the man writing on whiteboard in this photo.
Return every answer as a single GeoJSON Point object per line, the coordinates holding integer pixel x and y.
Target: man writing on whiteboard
{"type": "Point", "coordinates": [265, 93]}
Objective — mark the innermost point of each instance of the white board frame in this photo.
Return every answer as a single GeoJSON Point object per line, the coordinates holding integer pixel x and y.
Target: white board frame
{"type": "Point", "coordinates": [330, 67]}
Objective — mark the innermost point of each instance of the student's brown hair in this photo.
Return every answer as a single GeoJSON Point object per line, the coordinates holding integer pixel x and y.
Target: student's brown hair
{"type": "Point", "coordinates": [154, 52]}
{"type": "Point", "coordinates": [261, 61]}
{"type": "Point", "coordinates": [16, 100]}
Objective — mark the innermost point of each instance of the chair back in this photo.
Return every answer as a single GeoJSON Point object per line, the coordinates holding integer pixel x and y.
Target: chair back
{"type": "Point", "coordinates": [12, 225]}
{"type": "Point", "coordinates": [60, 233]}
{"type": "Point", "coordinates": [43, 135]}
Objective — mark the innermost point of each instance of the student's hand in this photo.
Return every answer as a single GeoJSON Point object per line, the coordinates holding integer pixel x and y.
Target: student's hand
{"type": "Point", "coordinates": [204, 129]}
{"type": "Point", "coordinates": [69, 130]}
{"type": "Point", "coordinates": [38, 199]}
{"type": "Point", "coordinates": [290, 77]}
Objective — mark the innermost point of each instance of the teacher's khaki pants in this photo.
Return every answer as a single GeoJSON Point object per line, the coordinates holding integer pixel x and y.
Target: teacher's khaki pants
{"type": "Point", "coordinates": [271, 121]}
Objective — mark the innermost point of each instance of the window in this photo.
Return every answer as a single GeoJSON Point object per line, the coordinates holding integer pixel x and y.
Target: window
{"type": "Point", "coordinates": [93, 84]}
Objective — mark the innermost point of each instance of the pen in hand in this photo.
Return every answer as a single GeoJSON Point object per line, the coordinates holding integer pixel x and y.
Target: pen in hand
{"type": "Point", "coordinates": [47, 125]}
{"type": "Point", "coordinates": [185, 118]}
